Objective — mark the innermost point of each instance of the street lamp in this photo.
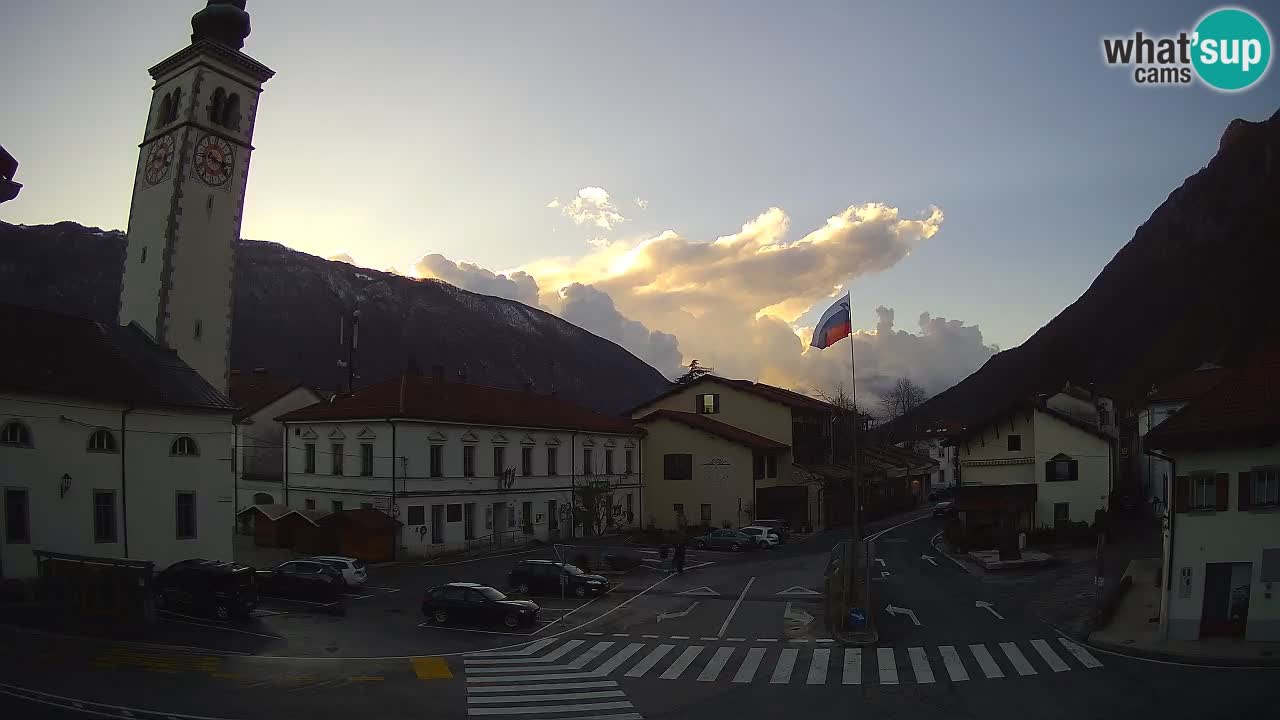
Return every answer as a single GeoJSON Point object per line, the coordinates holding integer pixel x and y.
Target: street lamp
{"type": "Point", "coordinates": [65, 487]}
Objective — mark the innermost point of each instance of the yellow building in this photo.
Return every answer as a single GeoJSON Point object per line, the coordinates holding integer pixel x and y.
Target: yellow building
{"type": "Point", "coordinates": [722, 451]}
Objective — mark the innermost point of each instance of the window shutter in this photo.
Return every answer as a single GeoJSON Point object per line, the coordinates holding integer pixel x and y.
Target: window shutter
{"type": "Point", "coordinates": [1048, 471]}
{"type": "Point", "coordinates": [1182, 494]}
{"type": "Point", "coordinates": [1223, 483]}
{"type": "Point", "coordinates": [1244, 499]}
{"type": "Point", "coordinates": [1075, 469]}
{"type": "Point", "coordinates": [715, 402]}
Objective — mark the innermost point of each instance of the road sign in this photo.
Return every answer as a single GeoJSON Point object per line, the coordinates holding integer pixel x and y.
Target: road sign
{"type": "Point", "coordinates": [857, 617]}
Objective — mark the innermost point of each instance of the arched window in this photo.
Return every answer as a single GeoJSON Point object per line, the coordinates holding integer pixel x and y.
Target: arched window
{"type": "Point", "coordinates": [173, 108]}
{"type": "Point", "coordinates": [166, 109]}
{"type": "Point", "coordinates": [184, 446]}
{"type": "Point", "coordinates": [231, 112]}
{"type": "Point", "coordinates": [215, 106]}
{"type": "Point", "coordinates": [16, 434]}
{"type": "Point", "coordinates": [101, 440]}
{"type": "Point", "coordinates": [263, 499]}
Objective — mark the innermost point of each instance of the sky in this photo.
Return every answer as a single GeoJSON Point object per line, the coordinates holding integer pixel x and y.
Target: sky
{"type": "Point", "coordinates": [691, 180]}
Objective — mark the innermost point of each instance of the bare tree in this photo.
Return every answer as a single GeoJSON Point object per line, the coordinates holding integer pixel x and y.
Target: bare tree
{"type": "Point", "coordinates": [840, 397]}
{"type": "Point", "coordinates": [901, 399]}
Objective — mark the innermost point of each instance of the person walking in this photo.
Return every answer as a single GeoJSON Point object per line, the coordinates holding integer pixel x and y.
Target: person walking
{"type": "Point", "coordinates": [679, 558]}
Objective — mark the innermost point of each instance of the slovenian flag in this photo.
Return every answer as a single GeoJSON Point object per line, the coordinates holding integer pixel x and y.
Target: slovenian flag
{"type": "Point", "coordinates": [834, 326]}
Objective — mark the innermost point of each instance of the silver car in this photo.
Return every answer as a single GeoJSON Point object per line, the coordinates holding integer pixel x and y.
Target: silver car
{"type": "Point", "coordinates": [731, 540]}
{"type": "Point", "coordinates": [352, 569]}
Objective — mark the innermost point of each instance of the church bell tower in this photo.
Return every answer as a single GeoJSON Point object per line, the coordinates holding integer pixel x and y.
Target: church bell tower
{"type": "Point", "coordinates": [188, 193]}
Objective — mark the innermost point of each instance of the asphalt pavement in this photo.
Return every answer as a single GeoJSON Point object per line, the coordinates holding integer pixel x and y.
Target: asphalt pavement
{"type": "Point", "coordinates": [736, 636]}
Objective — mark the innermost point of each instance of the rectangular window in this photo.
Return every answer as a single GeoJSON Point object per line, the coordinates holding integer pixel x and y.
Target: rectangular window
{"type": "Point", "coordinates": [366, 459]}
{"type": "Point", "coordinates": [1015, 443]}
{"type": "Point", "coordinates": [309, 458]}
{"type": "Point", "coordinates": [335, 453]}
{"type": "Point", "coordinates": [630, 509]}
{"type": "Point", "coordinates": [526, 461]}
{"type": "Point", "coordinates": [1061, 514]}
{"type": "Point", "coordinates": [677, 466]}
{"type": "Point", "coordinates": [511, 516]}
{"type": "Point", "coordinates": [335, 505]}
{"type": "Point", "coordinates": [17, 516]}
{"type": "Point", "coordinates": [551, 460]}
{"type": "Point", "coordinates": [469, 521]}
{"type": "Point", "coordinates": [587, 467]}
{"type": "Point", "coordinates": [454, 511]}
{"type": "Point", "coordinates": [706, 513]}
{"type": "Point", "coordinates": [1204, 492]}
{"type": "Point", "coordinates": [552, 518]}
{"type": "Point", "coordinates": [771, 466]}
{"type": "Point", "coordinates": [679, 511]}
{"type": "Point", "coordinates": [626, 462]}
{"type": "Point", "coordinates": [186, 516]}
{"type": "Point", "coordinates": [437, 461]}
{"type": "Point", "coordinates": [708, 404]}
{"type": "Point", "coordinates": [417, 515]}
{"type": "Point", "coordinates": [310, 504]}
{"type": "Point", "coordinates": [526, 514]}
{"type": "Point", "coordinates": [468, 460]}
{"type": "Point", "coordinates": [608, 462]}
{"type": "Point", "coordinates": [499, 460]}
{"type": "Point", "coordinates": [488, 517]}
{"type": "Point", "coordinates": [437, 524]}
{"type": "Point", "coordinates": [1266, 487]}
{"type": "Point", "coordinates": [366, 506]}
{"type": "Point", "coordinates": [104, 516]}
{"type": "Point", "coordinates": [757, 465]}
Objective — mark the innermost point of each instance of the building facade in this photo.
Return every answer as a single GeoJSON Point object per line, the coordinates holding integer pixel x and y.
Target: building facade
{"type": "Point", "coordinates": [257, 452]}
{"type": "Point", "coordinates": [464, 465]}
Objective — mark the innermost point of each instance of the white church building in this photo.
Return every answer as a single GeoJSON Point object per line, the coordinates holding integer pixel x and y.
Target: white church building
{"type": "Point", "coordinates": [116, 438]}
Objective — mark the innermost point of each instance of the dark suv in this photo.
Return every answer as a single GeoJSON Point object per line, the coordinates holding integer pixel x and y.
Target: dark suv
{"type": "Point", "coordinates": [534, 577]}
{"type": "Point", "coordinates": [213, 587]}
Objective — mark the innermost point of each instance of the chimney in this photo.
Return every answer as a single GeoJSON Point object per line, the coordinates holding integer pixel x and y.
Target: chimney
{"type": "Point", "coordinates": [437, 373]}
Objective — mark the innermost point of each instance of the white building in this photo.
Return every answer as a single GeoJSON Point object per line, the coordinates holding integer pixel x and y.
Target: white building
{"type": "Point", "coordinates": [115, 440]}
{"type": "Point", "coordinates": [1042, 462]}
{"type": "Point", "coordinates": [260, 398]}
{"type": "Point", "coordinates": [1222, 539]}
{"type": "Point", "coordinates": [932, 443]}
{"type": "Point", "coordinates": [1155, 473]}
{"type": "Point", "coordinates": [462, 464]}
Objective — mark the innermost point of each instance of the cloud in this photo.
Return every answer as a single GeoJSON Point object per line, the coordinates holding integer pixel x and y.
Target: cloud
{"type": "Point", "coordinates": [594, 311]}
{"type": "Point", "coordinates": [600, 242]}
{"type": "Point", "coordinates": [592, 206]}
{"type": "Point", "coordinates": [519, 286]}
{"type": "Point", "coordinates": [342, 257]}
{"type": "Point", "coordinates": [642, 204]}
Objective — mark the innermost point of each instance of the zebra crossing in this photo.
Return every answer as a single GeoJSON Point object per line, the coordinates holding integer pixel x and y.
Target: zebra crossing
{"type": "Point", "coordinates": [522, 682]}
{"type": "Point", "coordinates": [562, 661]}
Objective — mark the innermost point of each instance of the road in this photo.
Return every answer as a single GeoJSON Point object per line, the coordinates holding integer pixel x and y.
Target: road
{"type": "Point", "coordinates": [742, 636]}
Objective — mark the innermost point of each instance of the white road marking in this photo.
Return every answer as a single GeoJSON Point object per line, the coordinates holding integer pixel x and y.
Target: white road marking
{"type": "Point", "coordinates": [357, 597]}
{"type": "Point", "coordinates": [852, 666]}
{"type": "Point", "coordinates": [986, 662]}
{"type": "Point", "coordinates": [550, 709]}
{"type": "Point", "coordinates": [548, 658]}
{"type": "Point", "coordinates": [736, 605]}
{"type": "Point", "coordinates": [593, 634]}
{"type": "Point", "coordinates": [920, 665]}
{"type": "Point", "coordinates": [650, 637]}
{"type": "Point", "coordinates": [713, 639]}
{"type": "Point", "coordinates": [620, 635]}
{"type": "Point", "coordinates": [1080, 654]}
{"type": "Point", "coordinates": [735, 639]}
{"type": "Point", "coordinates": [951, 659]}
{"type": "Point", "coordinates": [550, 697]}
{"type": "Point", "coordinates": [222, 627]}
{"type": "Point", "coordinates": [682, 663]}
{"type": "Point", "coordinates": [818, 667]}
{"type": "Point", "coordinates": [429, 626]}
{"type": "Point", "coordinates": [487, 557]}
{"type": "Point", "coordinates": [575, 675]}
{"type": "Point", "coordinates": [679, 637]}
{"type": "Point", "coordinates": [529, 649]}
{"type": "Point", "coordinates": [546, 686]}
{"type": "Point", "coordinates": [1051, 658]}
{"type": "Point", "coordinates": [471, 670]}
{"type": "Point", "coordinates": [1017, 658]}
{"type": "Point", "coordinates": [591, 654]}
{"type": "Point", "coordinates": [786, 663]}
{"type": "Point", "coordinates": [749, 665]}
{"type": "Point", "coordinates": [715, 665]}
{"type": "Point", "coordinates": [895, 527]}
{"type": "Point", "coordinates": [618, 658]}
{"type": "Point", "coordinates": [888, 666]}
{"type": "Point", "coordinates": [766, 639]}
{"type": "Point", "coordinates": [649, 661]}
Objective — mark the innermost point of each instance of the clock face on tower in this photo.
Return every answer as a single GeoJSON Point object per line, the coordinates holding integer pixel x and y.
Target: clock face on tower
{"type": "Point", "coordinates": [159, 158]}
{"type": "Point", "coordinates": [214, 159]}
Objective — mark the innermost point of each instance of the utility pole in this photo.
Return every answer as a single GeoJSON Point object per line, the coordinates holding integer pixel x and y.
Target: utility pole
{"type": "Point", "coordinates": [350, 362]}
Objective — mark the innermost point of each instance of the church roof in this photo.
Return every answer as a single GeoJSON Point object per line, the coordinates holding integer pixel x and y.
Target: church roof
{"type": "Point", "coordinates": [70, 357]}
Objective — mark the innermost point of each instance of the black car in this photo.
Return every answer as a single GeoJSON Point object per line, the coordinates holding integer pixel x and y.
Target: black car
{"type": "Point", "coordinates": [302, 580]}
{"type": "Point", "coordinates": [474, 603]}
{"type": "Point", "coordinates": [212, 587]}
{"type": "Point", "coordinates": [781, 528]}
{"type": "Point", "coordinates": [730, 540]}
{"type": "Point", "coordinates": [544, 577]}
{"type": "Point", "coordinates": [945, 509]}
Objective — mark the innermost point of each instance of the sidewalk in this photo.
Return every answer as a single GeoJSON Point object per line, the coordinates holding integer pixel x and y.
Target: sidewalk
{"type": "Point", "coordinates": [1135, 630]}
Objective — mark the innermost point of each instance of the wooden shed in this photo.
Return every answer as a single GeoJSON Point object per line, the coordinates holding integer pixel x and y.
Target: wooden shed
{"type": "Point", "coordinates": [308, 534]}
{"type": "Point", "coordinates": [369, 535]}
{"type": "Point", "coordinates": [262, 521]}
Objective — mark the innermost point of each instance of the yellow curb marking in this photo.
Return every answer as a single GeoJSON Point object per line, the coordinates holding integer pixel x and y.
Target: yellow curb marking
{"type": "Point", "coordinates": [431, 668]}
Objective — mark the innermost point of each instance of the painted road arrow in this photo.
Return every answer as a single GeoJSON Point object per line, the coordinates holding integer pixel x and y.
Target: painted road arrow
{"type": "Point", "coordinates": [930, 559]}
{"type": "Point", "coordinates": [704, 590]}
{"type": "Point", "coordinates": [799, 616]}
{"type": "Point", "coordinates": [668, 616]}
{"type": "Point", "coordinates": [990, 609]}
{"type": "Point", "coordinates": [903, 611]}
{"type": "Point", "coordinates": [881, 561]}
{"type": "Point", "coordinates": [797, 590]}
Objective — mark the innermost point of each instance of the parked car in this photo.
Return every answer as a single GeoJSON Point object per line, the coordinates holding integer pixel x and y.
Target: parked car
{"type": "Point", "coordinates": [945, 509]}
{"type": "Point", "coordinates": [781, 527]}
{"type": "Point", "coordinates": [302, 580]}
{"type": "Point", "coordinates": [212, 587]}
{"type": "Point", "coordinates": [535, 577]}
{"type": "Point", "coordinates": [764, 537]}
{"type": "Point", "coordinates": [731, 540]}
{"type": "Point", "coordinates": [352, 569]}
{"type": "Point", "coordinates": [471, 602]}
{"type": "Point", "coordinates": [942, 493]}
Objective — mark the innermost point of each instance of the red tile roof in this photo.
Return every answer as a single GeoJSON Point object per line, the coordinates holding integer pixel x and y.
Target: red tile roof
{"type": "Point", "coordinates": [255, 390]}
{"type": "Point", "coordinates": [1189, 385]}
{"type": "Point", "coordinates": [1240, 410]}
{"type": "Point", "coordinates": [786, 397]}
{"type": "Point", "coordinates": [70, 357]}
{"type": "Point", "coordinates": [422, 398]}
{"type": "Point", "coordinates": [715, 427]}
